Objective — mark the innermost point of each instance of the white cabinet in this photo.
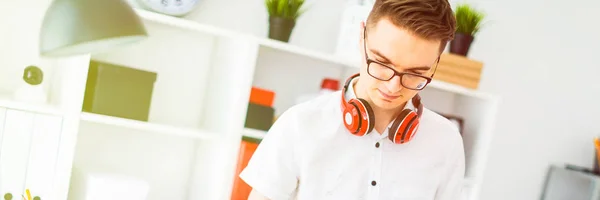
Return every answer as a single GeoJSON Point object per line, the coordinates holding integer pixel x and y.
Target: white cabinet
{"type": "Point", "coordinates": [14, 151]}
{"type": "Point", "coordinates": [2, 117]}
{"type": "Point", "coordinates": [28, 151]}
{"type": "Point", "coordinates": [43, 154]}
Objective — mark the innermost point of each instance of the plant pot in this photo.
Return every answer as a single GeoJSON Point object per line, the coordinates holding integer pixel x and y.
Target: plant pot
{"type": "Point", "coordinates": [281, 28]}
{"type": "Point", "coordinates": [461, 44]}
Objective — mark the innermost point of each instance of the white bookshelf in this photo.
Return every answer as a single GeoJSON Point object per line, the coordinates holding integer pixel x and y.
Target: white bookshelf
{"type": "Point", "coordinates": [181, 23]}
{"type": "Point", "coordinates": [188, 147]}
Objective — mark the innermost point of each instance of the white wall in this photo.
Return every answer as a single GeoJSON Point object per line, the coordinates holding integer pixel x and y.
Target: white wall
{"type": "Point", "coordinates": [540, 56]}
{"type": "Point", "coordinates": [18, 21]}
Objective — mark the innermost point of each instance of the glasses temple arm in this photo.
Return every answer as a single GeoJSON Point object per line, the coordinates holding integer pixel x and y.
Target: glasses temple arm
{"type": "Point", "coordinates": [436, 66]}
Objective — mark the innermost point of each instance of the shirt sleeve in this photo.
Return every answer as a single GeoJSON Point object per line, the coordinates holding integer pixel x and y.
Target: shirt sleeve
{"type": "Point", "coordinates": [452, 183]}
{"type": "Point", "coordinates": [272, 170]}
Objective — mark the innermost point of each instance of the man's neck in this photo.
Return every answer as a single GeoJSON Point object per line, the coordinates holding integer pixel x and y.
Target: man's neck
{"type": "Point", "coordinates": [383, 116]}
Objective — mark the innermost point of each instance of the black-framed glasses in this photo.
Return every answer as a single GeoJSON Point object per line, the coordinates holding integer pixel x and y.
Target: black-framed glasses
{"type": "Point", "coordinates": [384, 72]}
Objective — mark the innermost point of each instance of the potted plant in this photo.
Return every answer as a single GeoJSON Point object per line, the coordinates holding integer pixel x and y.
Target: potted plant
{"type": "Point", "coordinates": [282, 17]}
{"type": "Point", "coordinates": [468, 24]}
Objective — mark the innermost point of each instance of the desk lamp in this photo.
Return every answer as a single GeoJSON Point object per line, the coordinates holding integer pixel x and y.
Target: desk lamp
{"type": "Point", "coordinates": [73, 27]}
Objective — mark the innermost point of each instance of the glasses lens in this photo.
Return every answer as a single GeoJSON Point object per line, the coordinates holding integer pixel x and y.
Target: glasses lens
{"type": "Point", "coordinates": [384, 73]}
{"type": "Point", "coordinates": [413, 81]}
{"type": "Point", "coordinates": [380, 72]}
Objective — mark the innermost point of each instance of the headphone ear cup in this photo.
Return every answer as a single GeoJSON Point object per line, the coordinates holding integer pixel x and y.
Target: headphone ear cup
{"type": "Point", "coordinates": [361, 116]}
{"type": "Point", "coordinates": [404, 127]}
{"type": "Point", "coordinates": [411, 130]}
{"type": "Point", "coordinates": [351, 117]}
{"type": "Point", "coordinates": [369, 115]}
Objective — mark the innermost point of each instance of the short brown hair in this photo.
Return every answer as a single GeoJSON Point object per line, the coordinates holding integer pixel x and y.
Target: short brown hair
{"type": "Point", "coordinates": [429, 19]}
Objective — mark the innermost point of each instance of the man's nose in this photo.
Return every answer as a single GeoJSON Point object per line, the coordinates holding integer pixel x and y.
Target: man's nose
{"type": "Point", "coordinates": [394, 85]}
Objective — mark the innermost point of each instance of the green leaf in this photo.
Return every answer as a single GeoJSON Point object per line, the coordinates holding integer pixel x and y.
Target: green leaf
{"type": "Point", "coordinates": [291, 9]}
{"type": "Point", "coordinates": [281, 6]}
{"type": "Point", "coordinates": [270, 8]}
{"type": "Point", "coordinates": [468, 19]}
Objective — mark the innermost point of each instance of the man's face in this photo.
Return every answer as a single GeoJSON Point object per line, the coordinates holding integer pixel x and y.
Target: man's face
{"type": "Point", "coordinates": [401, 50]}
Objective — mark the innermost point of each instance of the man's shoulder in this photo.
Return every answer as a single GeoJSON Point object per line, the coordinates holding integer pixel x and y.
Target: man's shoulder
{"type": "Point", "coordinates": [439, 126]}
{"type": "Point", "coordinates": [315, 115]}
{"type": "Point", "coordinates": [325, 104]}
{"type": "Point", "coordinates": [440, 135]}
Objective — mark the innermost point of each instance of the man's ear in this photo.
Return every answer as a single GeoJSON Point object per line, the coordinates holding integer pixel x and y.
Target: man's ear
{"type": "Point", "coordinates": [361, 35]}
{"type": "Point", "coordinates": [362, 30]}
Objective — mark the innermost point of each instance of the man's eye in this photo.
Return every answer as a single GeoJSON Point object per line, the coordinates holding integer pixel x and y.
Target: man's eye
{"type": "Point", "coordinates": [383, 61]}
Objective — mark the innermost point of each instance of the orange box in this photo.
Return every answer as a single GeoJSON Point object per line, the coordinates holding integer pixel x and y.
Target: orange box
{"type": "Point", "coordinates": [262, 96]}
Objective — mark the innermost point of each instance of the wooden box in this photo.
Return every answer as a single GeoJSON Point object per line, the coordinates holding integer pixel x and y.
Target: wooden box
{"type": "Point", "coordinates": [459, 70]}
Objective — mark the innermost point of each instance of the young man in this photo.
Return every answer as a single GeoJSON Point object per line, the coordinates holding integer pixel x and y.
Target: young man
{"type": "Point", "coordinates": [374, 139]}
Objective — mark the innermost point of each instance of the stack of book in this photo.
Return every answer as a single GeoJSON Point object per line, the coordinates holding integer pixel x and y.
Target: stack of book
{"type": "Point", "coordinates": [260, 114]}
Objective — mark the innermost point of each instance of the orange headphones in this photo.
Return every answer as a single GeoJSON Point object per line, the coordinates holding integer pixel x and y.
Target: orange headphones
{"type": "Point", "coordinates": [359, 119]}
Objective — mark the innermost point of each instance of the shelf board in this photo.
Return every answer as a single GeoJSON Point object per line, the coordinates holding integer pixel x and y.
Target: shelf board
{"type": "Point", "coordinates": [267, 42]}
{"type": "Point", "coordinates": [6, 101]}
{"type": "Point", "coordinates": [147, 126]}
{"type": "Point", "coordinates": [449, 87]}
{"type": "Point", "coordinates": [306, 52]}
{"type": "Point", "coordinates": [254, 133]}
{"type": "Point", "coordinates": [182, 23]}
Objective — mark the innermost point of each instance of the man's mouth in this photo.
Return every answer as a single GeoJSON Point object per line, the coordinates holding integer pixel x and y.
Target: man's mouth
{"type": "Point", "coordinates": [387, 96]}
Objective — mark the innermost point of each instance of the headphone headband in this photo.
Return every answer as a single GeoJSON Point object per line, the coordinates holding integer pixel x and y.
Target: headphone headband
{"type": "Point", "coordinates": [345, 88]}
{"type": "Point", "coordinates": [347, 84]}
{"type": "Point", "coordinates": [416, 100]}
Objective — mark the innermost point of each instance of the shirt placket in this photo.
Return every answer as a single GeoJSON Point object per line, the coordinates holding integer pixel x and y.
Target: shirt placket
{"type": "Point", "coordinates": [375, 175]}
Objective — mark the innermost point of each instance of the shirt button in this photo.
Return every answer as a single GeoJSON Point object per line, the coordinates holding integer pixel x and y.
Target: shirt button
{"type": "Point", "coordinates": [377, 145]}
{"type": "Point", "coordinates": [373, 183]}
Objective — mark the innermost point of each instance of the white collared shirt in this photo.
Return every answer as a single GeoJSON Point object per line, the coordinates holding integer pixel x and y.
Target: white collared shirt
{"type": "Point", "coordinates": [308, 154]}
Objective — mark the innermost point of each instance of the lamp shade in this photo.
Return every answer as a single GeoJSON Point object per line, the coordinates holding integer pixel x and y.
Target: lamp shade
{"type": "Point", "coordinates": [73, 27]}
